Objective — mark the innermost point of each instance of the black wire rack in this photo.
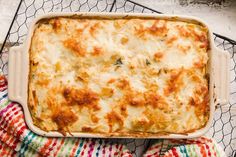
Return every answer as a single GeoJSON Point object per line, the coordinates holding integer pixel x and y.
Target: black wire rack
{"type": "Point", "coordinates": [223, 129]}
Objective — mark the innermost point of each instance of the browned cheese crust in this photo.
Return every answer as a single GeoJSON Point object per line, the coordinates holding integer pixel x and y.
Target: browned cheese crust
{"type": "Point", "coordinates": [119, 77]}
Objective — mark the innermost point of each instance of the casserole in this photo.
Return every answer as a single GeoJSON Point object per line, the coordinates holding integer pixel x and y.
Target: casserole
{"type": "Point", "coordinates": [118, 75]}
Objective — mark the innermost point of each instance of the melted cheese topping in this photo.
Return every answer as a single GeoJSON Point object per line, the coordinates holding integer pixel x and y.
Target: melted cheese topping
{"type": "Point", "coordinates": [123, 76]}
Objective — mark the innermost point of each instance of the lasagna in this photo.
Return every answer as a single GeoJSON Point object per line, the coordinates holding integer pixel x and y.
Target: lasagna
{"type": "Point", "coordinates": [123, 76]}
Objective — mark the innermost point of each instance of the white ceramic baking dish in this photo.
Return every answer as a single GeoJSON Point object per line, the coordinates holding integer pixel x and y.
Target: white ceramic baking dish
{"type": "Point", "coordinates": [218, 69]}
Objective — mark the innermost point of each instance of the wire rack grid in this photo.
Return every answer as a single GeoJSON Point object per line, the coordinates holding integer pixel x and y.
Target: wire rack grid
{"type": "Point", "coordinates": [223, 129]}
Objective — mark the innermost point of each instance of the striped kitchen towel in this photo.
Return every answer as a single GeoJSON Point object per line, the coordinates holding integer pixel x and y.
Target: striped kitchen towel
{"type": "Point", "coordinates": [17, 140]}
{"type": "Point", "coordinates": [199, 147]}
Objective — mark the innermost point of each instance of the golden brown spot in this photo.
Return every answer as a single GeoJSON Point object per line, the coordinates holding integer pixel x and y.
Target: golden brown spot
{"type": "Point", "coordinates": [57, 67]}
{"type": "Point", "coordinates": [94, 118]}
{"type": "Point", "coordinates": [123, 83]}
{"type": "Point", "coordinates": [117, 68]}
{"type": "Point", "coordinates": [115, 57]}
{"type": "Point", "coordinates": [142, 124]}
{"type": "Point", "coordinates": [157, 118]}
{"type": "Point", "coordinates": [199, 64]}
{"type": "Point", "coordinates": [81, 97]}
{"type": "Point", "coordinates": [86, 129]}
{"type": "Point", "coordinates": [183, 31]}
{"type": "Point", "coordinates": [174, 126]}
{"type": "Point", "coordinates": [56, 25]}
{"type": "Point", "coordinates": [190, 121]}
{"type": "Point", "coordinates": [158, 56]}
{"type": "Point", "coordinates": [75, 46]}
{"type": "Point", "coordinates": [39, 45]}
{"type": "Point", "coordinates": [34, 63]}
{"type": "Point", "coordinates": [94, 28]}
{"type": "Point", "coordinates": [35, 98]}
{"type": "Point", "coordinates": [66, 92]}
{"type": "Point", "coordinates": [202, 90]}
{"type": "Point", "coordinates": [184, 49]}
{"type": "Point", "coordinates": [135, 99]}
{"type": "Point", "coordinates": [158, 30]}
{"type": "Point", "coordinates": [171, 40]}
{"type": "Point", "coordinates": [156, 101]}
{"type": "Point", "coordinates": [139, 31]}
{"type": "Point", "coordinates": [132, 66]}
{"type": "Point", "coordinates": [107, 92]}
{"type": "Point", "coordinates": [155, 30]}
{"type": "Point", "coordinates": [117, 24]}
{"type": "Point", "coordinates": [111, 81]}
{"type": "Point", "coordinates": [114, 118]}
{"type": "Point", "coordinates": [123, 110]}
{"type": "Point", "coordinates": [124, 40]}
{"type": "Point", "coordinates": [79, 32]}
{"type": "Point", "coordinates": [151, 72]}
{"type": "Point", "coordinates": [82, 75]}
{"type": "Point", "coordinates": [63, 119]}
{"type": "Point", "coordinates": [97, 51]}
{"type": "Point", "coordinates": [150, 86]}
{"type": "Point", "coordinates": [152, 98]}
{"type": "Point", "coordinates": [43, 79]}
{"type": "Point", "coordinates": [191, 101]}
{"type": "Point", "coordinates": [201, 105]}
{"type": "Point", "coordinates": [190, 26]}
{"type": "Point", "coordinates": [174, 83]}
{"type": "Point", "coordinates": [203, 39]}
{"type": "Point", "coordinates": [79, 78]}
{"type": "Point", "coordinates": [196, 79]}
{"type": "Point", "coordinates": [51, 103]}
{"type": "Point", "coordinates": [190, 32]}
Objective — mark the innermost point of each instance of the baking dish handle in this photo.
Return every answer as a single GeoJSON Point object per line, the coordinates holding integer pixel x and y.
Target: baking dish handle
{"type": "Point", "coordinates": [221, 77]}
{"type": "Point", "coordinates": [16, 74]}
